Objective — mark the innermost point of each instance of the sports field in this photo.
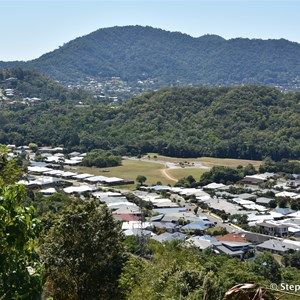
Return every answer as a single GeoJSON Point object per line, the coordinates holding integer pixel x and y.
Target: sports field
{"type": "Point", "coordinates": [156, 169]}
{"type": "Point", "coordinates": [206, 161]}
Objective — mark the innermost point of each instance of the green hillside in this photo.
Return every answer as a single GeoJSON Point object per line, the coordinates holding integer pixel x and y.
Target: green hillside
{"type": "Point", "coordinates": [249, 122]}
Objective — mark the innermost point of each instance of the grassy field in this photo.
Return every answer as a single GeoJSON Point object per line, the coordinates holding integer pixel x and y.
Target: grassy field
{"type": "Point", "coordinates": [206, 161]}
{"type": "Point", "coordinates": [130, 169]}
{"type": "Point", "coordinates": [184, 172]}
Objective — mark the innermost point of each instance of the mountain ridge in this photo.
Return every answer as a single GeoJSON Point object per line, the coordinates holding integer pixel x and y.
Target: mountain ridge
{"type": "Point", "coordinates": [136, 53]}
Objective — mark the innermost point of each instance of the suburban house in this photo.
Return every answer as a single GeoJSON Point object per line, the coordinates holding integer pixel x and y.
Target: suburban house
{"type": "Point", "coordinates": [277, 247]}
{"type": "Point", "coordinates": [273, 228]}
{"type": "Point", "coordinates": [233, 249]}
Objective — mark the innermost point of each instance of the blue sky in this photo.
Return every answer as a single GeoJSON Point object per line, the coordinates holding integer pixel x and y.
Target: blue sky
{"type": "Point", "coordinates": [31, 28]}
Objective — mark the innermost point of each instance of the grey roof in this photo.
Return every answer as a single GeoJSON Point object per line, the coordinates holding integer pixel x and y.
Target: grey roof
{"type": "Point", "coordinates": [284, 211]}
{"type": "Point", "coordinates": [235, 244]}
{"type": "Point", "coordinates": [246, 196]}
{"type": "Point", "coordinates": [227, 251]}
{"type": "Point", "coordinates": [199, 243]}
{"type": "Point", "coordinates": [158, 188]}
{"type": "Point", "coordinates": [255, 237]}
{"type": "Point", "coordinates": [225, 194]}
{"type": "Point", "coordinates": [113, 200]}
{"type": "Point", "coordinates": [272, 225]}
{"type": "Point", "coordinates": [169, 210]}
{"type": "Point", "coordinates": [157, 218]}
{"type": "Point", "coordinates": [38, 164]}
{"type": "Point", "coordinates": [277, 245]}
{"type": "Point", "coordinates": [199, 225]}
{"type": "Point", "coordinates": [168, 237]}
{"type": "Point", "coordinates": [264, 200]}
{"type": "Point", "coordinates": [166, 225]}
{"type": "Point", "coordinates": [295, 221]}
{"type": "Point", "coordinates": [207, 238]}
{"type": "Point", "coordinates": [174, 217]}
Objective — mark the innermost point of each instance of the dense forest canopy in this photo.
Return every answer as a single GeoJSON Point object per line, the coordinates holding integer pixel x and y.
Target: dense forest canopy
{"type": "Point", "coordinates": [136, 53]}
{"type": "Point", "coordinates": [250, 122]}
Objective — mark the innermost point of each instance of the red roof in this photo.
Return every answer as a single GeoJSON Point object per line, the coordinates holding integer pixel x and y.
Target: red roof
{"type": "Point", "coordinates": [230, 237]}
{"type": "Point", "coordinates": [126, 217]}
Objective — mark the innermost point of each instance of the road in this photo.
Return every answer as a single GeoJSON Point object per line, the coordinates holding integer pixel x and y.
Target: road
{"type": "Point", "coordinates": [164, 172]}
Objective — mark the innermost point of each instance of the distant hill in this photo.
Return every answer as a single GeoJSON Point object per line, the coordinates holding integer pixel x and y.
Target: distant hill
{"type": "Point", "coordinates": [30, 83]}
{"type": "Point", "coordinates": [237, 122]}
{"type": "Point", "coordinates": [136, 53]}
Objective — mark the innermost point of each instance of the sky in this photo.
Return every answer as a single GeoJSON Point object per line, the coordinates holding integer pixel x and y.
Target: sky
{"type": "Point", "coordinates": [31, 28]}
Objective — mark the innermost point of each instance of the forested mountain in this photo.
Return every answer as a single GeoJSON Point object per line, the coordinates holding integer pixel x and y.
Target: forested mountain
{"type": "Point", "coordinates": [237, 122]}
{"type": "Point", "coordinates": [137, 53]}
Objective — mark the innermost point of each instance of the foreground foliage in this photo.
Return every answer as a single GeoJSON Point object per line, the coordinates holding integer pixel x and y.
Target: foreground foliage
{"type": "Point", "coordinates": [21, 272]}
{"type": "Point", "coordinates": [186, 273]}
{"type": "Point", "coordinates": [83, 254]}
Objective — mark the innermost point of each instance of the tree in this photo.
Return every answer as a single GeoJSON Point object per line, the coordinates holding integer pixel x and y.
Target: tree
{"type": "Point", "coordinates": [182, 273]}
{"type": "Point", "coordinates": [294, 204]}
{"type": "Point", "coordinates": [221, 174]}
{"type": "Point", "coordinates": [83, 254]}
{"type": "Point", "coordinates": [33, 147]}
{"type": "Point", "coordinates": [10, 172]}
{"type": "Point", "coordinates": [292, 260]}
{"type": "Point", "coordinates": [273, 204]}
{"type": "Point", "coordinates": [282, 202]}
{"type": "Point", "coordinates": [101, 158]}
{"type": "Point", "coordinates": [141, 179]}
{"type": "Point", "coordinates": [21, 272]}
{"type": "Point", "coordinates": [249, 170]}
{"type": "Point", "coordinates": [265, 265]}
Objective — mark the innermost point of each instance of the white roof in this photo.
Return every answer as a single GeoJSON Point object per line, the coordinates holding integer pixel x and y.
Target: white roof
{"type": "Point", "coordinates": [176, 189]}
{"type": "Point", "coordinates": [78, 189]}
{"type": "Point", "coordinates": [253, 217]}
{"type": "Point", "coordinates": [286, 194]}
{"type": "Point", "coordinates": [59, 154]}
{"type": "Point", "coordinates": [68, 174]}
{"type": "Point", "coordinates": [293, 229]}
{"type": "Point", "coordinates": [83, 176]}
{"type": "Point", "coordinates": [107, 194]}
{"type": "Point", "coordinates": [276, 214]}
{"type": "Point", "coordinates": [79, 158]}
{"type": "Point", "coordinates": [214, 185]}
{"type": "Point", "coordinates": [54, 158]}
{"type": "Point", "coordinates": [48, 191]}
{"type": "Point", "coordinates": [242, 201]}
{"type": "Point", "coordinates": [160, 200]}
{"type": "Point", "coordinates": [96, 178]}
{"type": "Point", "coordinates": [255, 207]}
{"type": "Point", "coordinates": [39, 181]}
{"type": "Point", "coordinates": [135, 224]}
{"type": "Point", "coordinates": [113, 179]}
{"type": "Point", "coordinates": [127, 210]}
{"type": "Point", "coordinates": [38, 169]}
{"type": "Point", "coordinates": [295, 214]}
{"type": "Point", "coordinates": [54, 172]}
{"type": "Point", "coordinates": [121, 204]}
{"type": "Point", "coordinates": [71, 162]}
